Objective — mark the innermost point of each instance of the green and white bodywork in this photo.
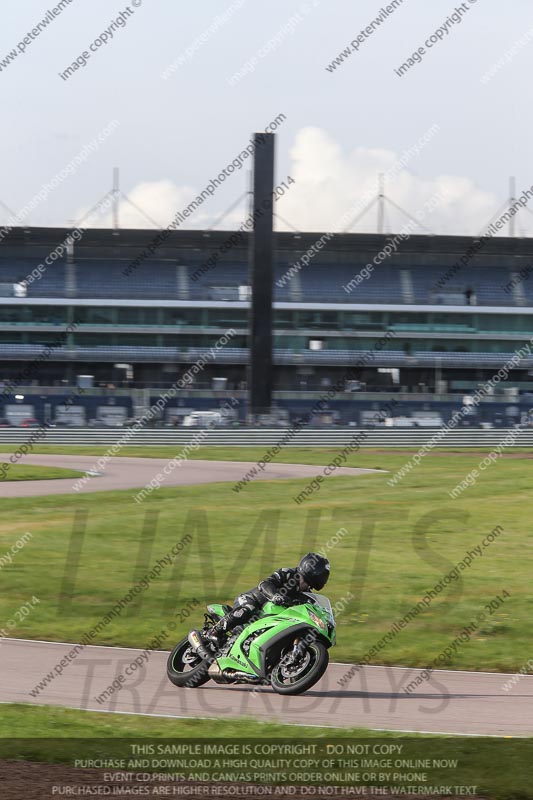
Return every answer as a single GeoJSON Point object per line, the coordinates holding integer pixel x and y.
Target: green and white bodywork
{"type": "Point", "coordinates": [284, 647]}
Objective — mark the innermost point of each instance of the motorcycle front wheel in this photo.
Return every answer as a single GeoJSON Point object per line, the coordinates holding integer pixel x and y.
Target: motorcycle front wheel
{"type": "Point", "coordinates": [298, 677]}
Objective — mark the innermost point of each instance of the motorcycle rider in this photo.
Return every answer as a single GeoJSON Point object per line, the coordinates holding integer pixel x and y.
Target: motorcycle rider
{"type": "Point", "coordinates": [284, 587]}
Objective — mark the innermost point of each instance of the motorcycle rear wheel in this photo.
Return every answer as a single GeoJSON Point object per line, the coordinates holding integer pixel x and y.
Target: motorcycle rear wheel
{"type": "Point", "coordinates": [184, 668]}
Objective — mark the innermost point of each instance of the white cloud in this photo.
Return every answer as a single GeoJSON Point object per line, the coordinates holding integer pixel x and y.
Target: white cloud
{"type": "Point", "coordinates": [328, 183]}
{"type": "Point", "coordinates": [159, 200]}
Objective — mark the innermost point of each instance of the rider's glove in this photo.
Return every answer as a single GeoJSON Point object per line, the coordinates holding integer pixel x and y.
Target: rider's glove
{"type": "Point", "coordinates": [279, 600]}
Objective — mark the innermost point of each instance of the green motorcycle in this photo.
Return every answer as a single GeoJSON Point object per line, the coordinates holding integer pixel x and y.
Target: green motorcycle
{"type": "Point", "coordinates": [286, 648]}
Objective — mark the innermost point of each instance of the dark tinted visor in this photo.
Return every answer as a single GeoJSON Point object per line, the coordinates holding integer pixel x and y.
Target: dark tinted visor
{"type": "Point", "coordinates": [320, 581]}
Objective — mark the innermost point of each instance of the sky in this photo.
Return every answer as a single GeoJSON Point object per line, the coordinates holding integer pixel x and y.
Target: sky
{"type": "Point", "coordinates": [176, 91]}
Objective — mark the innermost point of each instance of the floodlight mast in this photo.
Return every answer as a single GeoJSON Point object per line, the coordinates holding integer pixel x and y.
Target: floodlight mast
{"type": "Point", "coordinates": [512, 201]}
{"type": "Point", "coordinates": [116, 198]}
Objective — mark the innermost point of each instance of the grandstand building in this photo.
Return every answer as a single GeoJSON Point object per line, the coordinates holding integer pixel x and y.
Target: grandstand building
{"type": "Point", "coordinates": [430, 322]}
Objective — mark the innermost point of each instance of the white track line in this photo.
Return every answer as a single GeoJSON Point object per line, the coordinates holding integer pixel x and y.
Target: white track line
{"type": "Point", "coordinates": [269, 722]}
{"type": "Point", "coordinates": [76, 644]}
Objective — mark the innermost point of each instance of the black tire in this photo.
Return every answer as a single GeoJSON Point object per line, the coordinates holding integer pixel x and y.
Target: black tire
{"type": "Point", "coordinates": [177, 672]}
{"type": "Point", "coordinates": [319, 660]}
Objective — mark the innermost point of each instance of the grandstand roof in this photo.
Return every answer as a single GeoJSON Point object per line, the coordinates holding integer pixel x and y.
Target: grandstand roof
{"type": "Point", "coordinates": [355, 242]}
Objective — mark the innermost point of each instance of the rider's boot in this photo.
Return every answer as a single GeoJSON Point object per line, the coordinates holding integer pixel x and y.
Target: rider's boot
{"type": "Point", "coordinates": [210, 641]}
{"type": "Point", "coordinates": [217, 634]}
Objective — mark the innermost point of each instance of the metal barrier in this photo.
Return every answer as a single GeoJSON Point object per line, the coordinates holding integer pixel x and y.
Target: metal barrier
{"type": "Point", "coordinates": [268, 437]}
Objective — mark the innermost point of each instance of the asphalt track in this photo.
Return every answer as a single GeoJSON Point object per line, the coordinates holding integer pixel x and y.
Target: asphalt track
{"type": "Point", "coordinates": [449, 702]}
{"type": "Point", "coordinates": [134, 473]}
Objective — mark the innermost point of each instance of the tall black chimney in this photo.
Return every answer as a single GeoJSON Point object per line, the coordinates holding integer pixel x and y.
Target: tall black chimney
{"type": "Point", "coordinates": [260, 371]}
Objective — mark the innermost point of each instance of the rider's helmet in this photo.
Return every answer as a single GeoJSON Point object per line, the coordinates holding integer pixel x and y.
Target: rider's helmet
{"type": "Point", "coordinates": [314, 569]}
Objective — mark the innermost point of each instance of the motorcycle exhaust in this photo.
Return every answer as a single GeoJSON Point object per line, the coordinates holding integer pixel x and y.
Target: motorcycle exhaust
{"type": "Point", "coordinates": [241, 676]}
{"type": "Point", "coordinates": [199, 647]}
{"type": "Point", "coordinates": [215, 673]}
{"type": "Point", "coordinates": [229, 675]}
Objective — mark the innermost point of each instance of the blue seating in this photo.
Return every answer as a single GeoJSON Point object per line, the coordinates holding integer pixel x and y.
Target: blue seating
{"type": "Point", "coordinates": [50, 284]}
{"type": "Point", "coordinates": [317, 282]}
{"type": "Point", "coordinates": [106, 279]}
{"type": "Point", "coordinates": [486, 283]}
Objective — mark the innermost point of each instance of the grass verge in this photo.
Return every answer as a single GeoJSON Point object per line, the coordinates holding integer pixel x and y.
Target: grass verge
{"type": "Point", "coordinates": [22, 472]}
{"type": "Point", "coordinates": [496, 769]}
{"type": "Point", "coordinates": [399, 542]}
